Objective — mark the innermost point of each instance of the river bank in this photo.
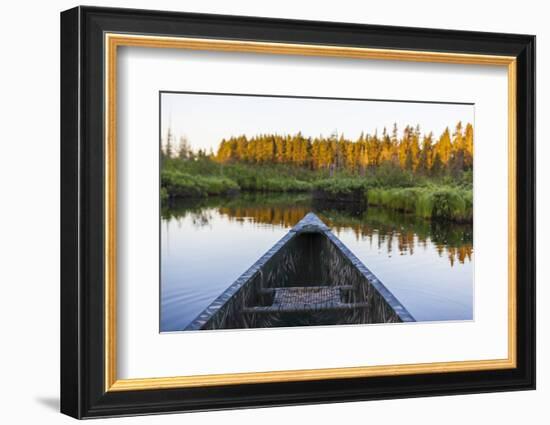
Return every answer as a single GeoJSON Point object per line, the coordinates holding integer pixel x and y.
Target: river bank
{"type": "Point", "coordinates": [427, 197]}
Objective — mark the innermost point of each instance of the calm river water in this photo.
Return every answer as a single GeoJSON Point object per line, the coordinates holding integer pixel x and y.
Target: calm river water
{"type": "Point", "coordinates": [207, 244]}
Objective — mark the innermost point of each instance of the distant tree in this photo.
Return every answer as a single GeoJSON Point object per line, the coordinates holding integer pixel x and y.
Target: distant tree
{"type": "Point", "coordinates": [169, 144]}
{"type": "Point", "coordinates": [469, 147]}
{"type": "Point", "coordinates": [409, 160]}
{"type": "Point", "coordinates": [444, 147]}
{"type": "Point", "coordinates": [415, 147]}
{"type": "Point", "coordinates": [426, 155]}
{"type": "Point", "coordinates": [437, 166]}
{"type": "Point", "coordinates": [404, 147]}
{"type": "Point", "coordinates": [386, 151]}
{"type": "Point", "coordinates": [373, 150]}
{"type": "Point", "coordinates": [184, 149]}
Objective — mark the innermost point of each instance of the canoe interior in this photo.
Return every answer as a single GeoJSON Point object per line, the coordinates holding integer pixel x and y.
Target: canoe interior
{"type": "Point", "coordinates": [308, 278]}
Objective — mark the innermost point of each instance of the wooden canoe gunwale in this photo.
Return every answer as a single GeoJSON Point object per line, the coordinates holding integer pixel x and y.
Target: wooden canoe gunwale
{"type": "Point", "coordinates": [309, 224]}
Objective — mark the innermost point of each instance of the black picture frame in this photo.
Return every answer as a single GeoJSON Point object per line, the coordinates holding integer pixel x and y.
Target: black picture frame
{"type": "Point", "coordinates": [83, 392]}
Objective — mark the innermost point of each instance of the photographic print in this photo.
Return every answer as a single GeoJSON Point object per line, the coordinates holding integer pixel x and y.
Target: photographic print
{"type": "Point", "coordinates": [301, 194]}
{"type": "Point", "coordinates": [280, 211]}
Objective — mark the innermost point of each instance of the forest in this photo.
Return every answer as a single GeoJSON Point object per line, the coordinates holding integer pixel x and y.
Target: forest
{"type": "Point", "coordinates": [409, 171]}
{"type": "Point", "coordinates": [413, 151]}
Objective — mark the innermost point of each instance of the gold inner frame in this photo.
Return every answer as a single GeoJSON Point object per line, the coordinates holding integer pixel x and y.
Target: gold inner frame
{"type": "Point", "coordinates": [113, 41]}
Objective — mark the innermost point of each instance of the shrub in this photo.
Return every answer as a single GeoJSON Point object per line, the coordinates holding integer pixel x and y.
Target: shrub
{"type": "Point", "coordinates": [390, 175]}
{"type": "Point", "coordinates": [182, 185]}
{"type": "Point", "coordinates": [429, 202]}
{"type": "Point", "coordinates": [341, 185]}
{"type": "Point", "coordinates": [448, 204]}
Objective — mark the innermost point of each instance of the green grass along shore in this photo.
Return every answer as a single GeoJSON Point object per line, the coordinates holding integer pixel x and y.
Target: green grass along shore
{"type": "Point", "coordinates": [446, 198]}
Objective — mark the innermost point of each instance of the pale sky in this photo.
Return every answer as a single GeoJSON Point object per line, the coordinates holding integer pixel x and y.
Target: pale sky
{"type": "Point", "coordinates": [205, 119]}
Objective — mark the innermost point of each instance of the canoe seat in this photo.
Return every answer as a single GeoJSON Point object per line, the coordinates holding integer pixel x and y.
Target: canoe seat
{"type": "Point", "coordinates": [310, 296]}
{"type": "Point", "coordinates": [305, 298]}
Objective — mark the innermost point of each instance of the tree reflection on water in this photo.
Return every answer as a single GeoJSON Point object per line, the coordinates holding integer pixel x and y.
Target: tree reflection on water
{"type": "Point", "coordinates": [396, 232]}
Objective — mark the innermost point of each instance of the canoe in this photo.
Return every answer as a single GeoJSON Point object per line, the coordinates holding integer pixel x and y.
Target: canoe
{"type": "Point", "coordinates": [308, 278]}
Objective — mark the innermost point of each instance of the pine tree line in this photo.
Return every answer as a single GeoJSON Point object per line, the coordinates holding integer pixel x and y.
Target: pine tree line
{"type": "Point", "coordinates": [410, 151]}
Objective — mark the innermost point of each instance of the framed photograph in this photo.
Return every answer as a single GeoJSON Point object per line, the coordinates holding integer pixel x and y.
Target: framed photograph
{"type": "Point", "coordinates": [261, 212]}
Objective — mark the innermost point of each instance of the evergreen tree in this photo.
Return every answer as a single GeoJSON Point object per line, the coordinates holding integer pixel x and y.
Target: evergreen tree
{"type": "Point", "coordinates": [425, 156]}
{"type": "Point", "coordinates": [444, 147]}
{"type": "Point", "coordinates": [469, 147]}
{"type": "Point", "coordinates": [437, 166]}
{"type": "Point", "coordinates": [168, 147]}
{"type": "Point", "coordinates": [184, 150]}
